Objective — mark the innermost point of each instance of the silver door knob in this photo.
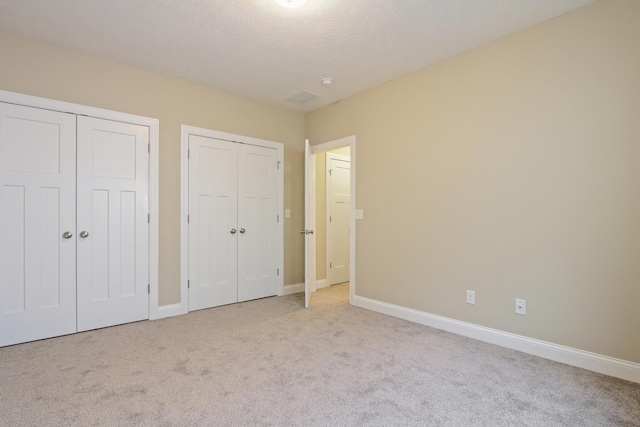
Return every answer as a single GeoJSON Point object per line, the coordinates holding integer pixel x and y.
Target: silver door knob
{"type": "Point", "coordinates": [233, 231]}
{"type": "Point", "coordinates": [242, 230]}
{"type": "Point", "coordinates": [67, 235]}
{"type": "Point", "coordinates": [84, 234]}
{"type": "Point", "coordinates": [310, 232]}
{"type": "Point", "coordinates": [303, 231]}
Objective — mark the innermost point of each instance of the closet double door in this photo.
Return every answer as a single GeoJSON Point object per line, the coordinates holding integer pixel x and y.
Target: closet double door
{"type": "Point", "coordinates": [233, 223]}
{"type": "Point", "coordinates": [73, 223]}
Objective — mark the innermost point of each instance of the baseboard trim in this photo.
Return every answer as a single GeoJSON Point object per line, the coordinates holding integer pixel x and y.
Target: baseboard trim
{"type": "Point", "coordinates": [169, 310]}
{"type": "Point", "coordinates": [322, 284]}
{"type": "Point", "coordinates": [619, 368]}
{"type": "Point", "coordinates": [292, 289]}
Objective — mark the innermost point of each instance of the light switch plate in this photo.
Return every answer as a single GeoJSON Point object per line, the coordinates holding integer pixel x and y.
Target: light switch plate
{"type": "Point", "coordinates": [287, 213]}
{"type": "Point", "coordinates": [359, 214]}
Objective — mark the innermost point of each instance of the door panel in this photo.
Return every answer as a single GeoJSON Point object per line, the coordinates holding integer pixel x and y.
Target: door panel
{"type": "Point", "coordinates": [113, 264]}
{"type": "Point", "coordinates": [37, 205]}
{"type": "Point", "coordinates": [257, 222]}
{"type": "Point", "coordinates": [309, 224]}
{"type": "Point", "coordinates": [339, 220]}
{"type": "Point", "coordinates": [213, 188]}
{"type": "Point", "coordinates": [13, 242]}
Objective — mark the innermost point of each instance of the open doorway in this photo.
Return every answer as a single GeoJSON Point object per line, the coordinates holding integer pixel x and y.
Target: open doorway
{"type": "Point", "coordinates": [333, 185]}
{"type": "Point", "coordinates": [330, 240]}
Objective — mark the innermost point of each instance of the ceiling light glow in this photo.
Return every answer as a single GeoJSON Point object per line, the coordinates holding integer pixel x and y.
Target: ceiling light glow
{"type": "Point", "coordinates": [291, 3]}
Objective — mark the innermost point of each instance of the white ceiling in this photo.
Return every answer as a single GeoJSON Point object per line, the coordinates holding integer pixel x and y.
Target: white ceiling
{"type": "Point", "coordinates": [257, 49]}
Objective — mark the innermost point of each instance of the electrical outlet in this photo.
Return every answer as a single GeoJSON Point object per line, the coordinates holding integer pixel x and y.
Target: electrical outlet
{"type": "Point", "coordinates": [471, 297]}
{"type": "Point", "coordinates": [521, 306]}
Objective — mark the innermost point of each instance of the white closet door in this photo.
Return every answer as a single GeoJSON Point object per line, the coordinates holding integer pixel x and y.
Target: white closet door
{"type": "Point", "coordinates": [37, 208]}
{"type": "Point", "coordinates": [213, 229]}
{"type": "Point", "coordinates": [338, 201]}
{"type": "Point", "coordinates": [113, 261]}
{"type": "Point", "coordinates": [257, 222]}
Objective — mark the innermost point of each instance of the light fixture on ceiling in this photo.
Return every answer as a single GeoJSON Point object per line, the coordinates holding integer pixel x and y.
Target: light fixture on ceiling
{"type": "Point", "coordinates": [291, 3]}
{"type": "Point", "coordinates": [327, 81]}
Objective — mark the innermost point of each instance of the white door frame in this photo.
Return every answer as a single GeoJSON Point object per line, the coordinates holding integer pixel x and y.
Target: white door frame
{"type": "Point", "coordinates": [349, 141]}
{"type": "Point", "coordinates": [183, 306]}
{"type": "Point", "coordinates": [154, 138]}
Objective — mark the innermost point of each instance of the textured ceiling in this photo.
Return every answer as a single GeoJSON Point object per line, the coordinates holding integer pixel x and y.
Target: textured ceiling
{"type": "Point", "coordinates": [257, 49]}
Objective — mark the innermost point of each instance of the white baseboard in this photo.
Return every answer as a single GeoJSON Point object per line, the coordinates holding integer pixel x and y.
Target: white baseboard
{"type": "Point", "coordinates": [292, 289]}
{"type": "Point", "coordinates": [322, 284]}
{"type": "Point", "coordinates": [169, 311]}
{"type": "Point", "coordinates": [619, 368]}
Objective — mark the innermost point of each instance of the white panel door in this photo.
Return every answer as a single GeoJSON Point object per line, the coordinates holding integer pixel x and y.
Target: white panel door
{"type": "Point", "coordinates": [339, 211]}
{"type": "Point", "coordinates": [257, 222]}
{"type": "Point", "coordinates": [309, 224]}
{"type": "Point", "coordinates": [37, 224]}
{"type": "Point", "coordinates": [213, 229]}
{"type": "Point", "coordinates": [113, 229]}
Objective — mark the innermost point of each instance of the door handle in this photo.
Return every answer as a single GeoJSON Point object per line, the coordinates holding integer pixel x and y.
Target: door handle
{"type": "Point", "coordinates": [67, 235]}
{"type": "Point", "coordinates": [84, 234]}
{"type": "Point", "coordinates": [306, 231]}
{"type": "Point", "coordinates": [242, 230]}
{"type": "Point", "coordinates": [233, 231]}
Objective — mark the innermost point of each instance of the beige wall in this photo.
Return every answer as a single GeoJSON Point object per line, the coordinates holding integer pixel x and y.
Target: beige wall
{"type": "Point", "coordinates": [43, 70]}
{"type": "Point", "coordinates": [321, 210]}
{"type": "Point", "coordinates": [512, 170]}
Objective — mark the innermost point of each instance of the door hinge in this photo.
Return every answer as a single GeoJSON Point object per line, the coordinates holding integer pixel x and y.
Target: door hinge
{"type": "Point", "coordinates": [330, 220]}
{"type": "Point", "coordinates": [188, 219]}
{"type": "Point", "coordinates": [188, 154]}
{"type": "Point", "coordinates": [149, 148]}
{"type": "Point", "coordinates": [149, 288]}
{"type": "Point", "coordinates": [148, 218]}
{"type": "Point", "coordinates": [188, 283]}
{"type": "Point", "coordinates": [278, 271]}
{"type": "Point", "coordinates": [330, 265]}
{"type": "Point", "coordinates": [278, 218]}
{"type": "Point", "coordinates": [330, 172]}
{"type": "Point", "coordinates": [278, 164]}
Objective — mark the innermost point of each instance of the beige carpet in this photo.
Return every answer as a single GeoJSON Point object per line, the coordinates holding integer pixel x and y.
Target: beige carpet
{"type": "Point", "coordinates": [271, 362]}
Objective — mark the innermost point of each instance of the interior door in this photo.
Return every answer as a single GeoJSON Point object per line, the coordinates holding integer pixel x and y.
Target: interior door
{"type": "Point", "coordinates": [257, 222]}
{"type": "Point", "coordinates": [37, 224]}
{"type": "Point", "coordinates": [309, 223]}
{"type": "Point", "coordinates": [213, 229]}
{"type": "Point", "coordinates": [339, 218]}
{"type": "Point", "coordinates": [113, 229]}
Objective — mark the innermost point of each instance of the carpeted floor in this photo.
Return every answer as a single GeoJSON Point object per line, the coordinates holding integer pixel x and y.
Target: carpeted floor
{"type": "Point", "coordinates": [271, 362]}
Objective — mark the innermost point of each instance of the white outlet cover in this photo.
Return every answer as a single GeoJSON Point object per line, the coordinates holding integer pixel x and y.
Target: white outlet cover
{"type": "Point", "coordinates": [287, 213]}
{"type": "Point", "coordinates": [471, 297]}
{"type": "Point", "coordinates": [521, 306]}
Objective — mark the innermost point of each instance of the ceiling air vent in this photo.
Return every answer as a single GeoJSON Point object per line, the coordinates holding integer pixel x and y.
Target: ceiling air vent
{"type": "Point", "coordinates": [303, 97]}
